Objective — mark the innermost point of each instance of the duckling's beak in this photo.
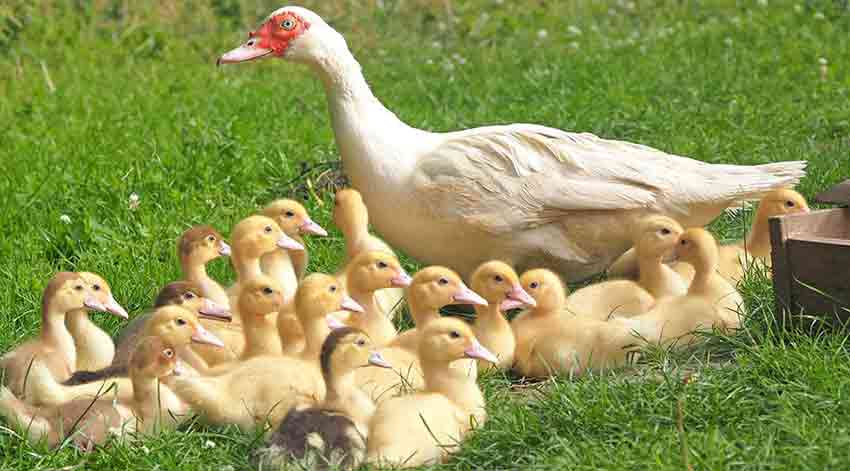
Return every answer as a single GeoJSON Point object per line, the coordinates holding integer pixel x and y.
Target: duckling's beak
{"type": "Point", "coordinates": [288, 243]}
{"type": "Point", "coordinates": [204, 336]}
{"type": "Point", "coordinates": [375, 359]}
{"type": "Point", "coordinates": [401, 280]}
{"type": "Point", "coordinates": [223, 248]}
{"type": "Point", "coordinates": [333, 322]}
{"type": "Point", "coordinates": [111, 306]}
{"type": "Point", "coordinates": [215, 311]}
{"type": "Point", "coordinates": [179, 369]}
{"type": "Point", "coordinates": [351, 305]}
{"type": "Point", "coordinates": [310, 227]}
{"type": "Point", "coordinates": [517, 298]}
{"type": "Point", "coordinates": [478, 351]}
{"type": "Point", "coordinates": [467, 296]}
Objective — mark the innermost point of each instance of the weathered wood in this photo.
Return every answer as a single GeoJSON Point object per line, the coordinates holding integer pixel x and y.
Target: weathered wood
{"type": "Point", "coordinates": [839, 194]}
{"type": "Point", "coordinates": [781, 266]}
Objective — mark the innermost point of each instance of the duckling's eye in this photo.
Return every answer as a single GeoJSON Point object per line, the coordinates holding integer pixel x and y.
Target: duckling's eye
{"type": "Point", "coordinates": [78, 287]}
{"type": "Point", "coordinates": [268, 229]}
{"type": "Point", "coordinates": [289, 214]}
{"type": "Point", "coordinates": [267, 290]}
{"type": "Point", "coordinates": [180, 321]}
{"type": "Point", "coordinates": [211, 238]}
{"type": "Point", "coordinates": [361, 342]}
{"type": "Point", "coordinates": [454, 334]}
{"type": "Point", "coordinates": [789, 204]}
{"type": "Point", "coordinates": [665, 231]}
{"type": "Point", "coordinates": [96, 287]}
{"type": "Point", "coordinates": [332, 288]}
{"type": "Point", "coordinates": [683, 242]}
{"type": "Point", "coordinates": [288, 24]}
{"type": "Point", "coordinates": [188, 295]}
{"type": "Point", "coordinates": [498, 278]}
{"type": "Point", "coordinates": [382, 264]}
{"type": "Point", "coordinates": [534, 285]}
{"type": "Point", "coordinates": [443, 281]}
{"type": "Point", "coordinates": [168, 353]}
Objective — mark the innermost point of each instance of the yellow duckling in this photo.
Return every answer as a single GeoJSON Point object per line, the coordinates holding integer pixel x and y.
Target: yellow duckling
{"type": "Point", "coordinates": [334, 433]}
{"type": "Point", "coordinates": [499, 284]}
{"type": "Point", "coordinates": [92, 422]}
{"type": "Point", "coordinates": [195, 249]}
{"type": "Point", "coordinates": [95, 349]}
{"type": "Point", "coordinates": [655, 238]}
{"type": "Point", "coordinates": [425, 427]}
{"type": "Point", "coordinates": [294, 220]}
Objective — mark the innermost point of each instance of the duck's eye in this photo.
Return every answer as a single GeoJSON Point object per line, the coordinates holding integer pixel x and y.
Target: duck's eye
{"type": "Point", "coordinates": [361, 342]}
{"type": "Point", "coordinates": [382, 264]}
{"type": "Point", "coordinates": [332, 288]}
{"type": "Point", "coordinates": [498, 278]}
{"type": "Point", "coordinates": [454, 334]}
{"type": "Point", "coordinates": [96, 287]}
{"type": "Point", "coordinates": [180, 321]}
{"type": "Point", "coordinates": [790, 204]}
{"type": "Point", "coordinates": [168, 353]}
{"type": "Point", "coordinates": [665, 231]}
{"type": "Point", "coordinates": [268, 229]}
{"type": "Point", "coordinates": [683, 242]}
{"type": "Point", "coordinates": [534, 285]}
{"type": "Point", "coordinates": [443, 281]}
{"type": "Point", "coordinates": [267, 290]}
{"type": "Point", "coordinates": [188, 295]}
{"type": "Point", "coordinates": [288, 24]}
{"type": "Point", "coordinates": [289, 214]}
{"type": "Point", "coordinates": [211, 238]}
{"type": "Point", "coordinates": [78, 287]}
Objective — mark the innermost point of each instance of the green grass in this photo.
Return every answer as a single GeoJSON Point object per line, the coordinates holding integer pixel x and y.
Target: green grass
{"type": "Point", "coordinates": [138, 106]}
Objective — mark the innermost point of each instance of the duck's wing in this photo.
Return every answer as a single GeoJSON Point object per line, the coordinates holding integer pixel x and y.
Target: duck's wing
{"type": "Point", "coordinates": [504, 178]}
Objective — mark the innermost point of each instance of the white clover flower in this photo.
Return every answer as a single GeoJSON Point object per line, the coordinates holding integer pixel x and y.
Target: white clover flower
{"type": "Point", "coordinates": [208, 445]}
{"type": "Point", "coordinates": [65, 219]}
{"type": "Point", "coordinates": [542, 34]}
{"type": "Point", "coordinates": [134, 200]}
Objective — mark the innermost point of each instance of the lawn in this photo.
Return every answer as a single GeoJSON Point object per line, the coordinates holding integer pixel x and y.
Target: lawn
{"type": "Point", "coordinates": [102, 99]}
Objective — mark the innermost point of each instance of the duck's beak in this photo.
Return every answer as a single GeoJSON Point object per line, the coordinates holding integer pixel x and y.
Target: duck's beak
{"type": "Point", "coordinates": [223, 248]}
{"type": "Point", "coordinates": [333, 322]}
{"type": "Point", "coordinates": [351, 305]}
{"type": "Point", "coordinates": [375, 359]}
{"type": "Point", "coordinates": [478, 351]}
{"type": "Point", "coordinates": [179, 369]}
{"type": "Point", "coordinates": [401, 280]}
{"type": "Point", "coordinates": [247, 52]}
{"type": "Point", "coordinates": [517, 298]}
{"type": "Point", "coordinates": [204, 336]}
{"type": "Point", "coordinates": [467, 296]}
{"type": "Point", "coordinates": [288, 243]}
{"type": "Point", "coordinates": [111, 306]}
{"type": "Point", "coordinates": [310, 227]}
{"type": "Point", "coordinates": [215, 311]}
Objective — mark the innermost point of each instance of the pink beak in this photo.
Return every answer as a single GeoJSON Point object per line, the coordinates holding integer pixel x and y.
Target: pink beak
{"type": "Point", "coordinates": [310, 227]}
{"type": "Point", "coordinates": [334, 323]}
{"type": "Point", "coordinates": [246, 52]}
{"type": "Point", "coordinates": [288, 243]}
{"type": "Point", "coordinates": [351, 305]}
{"type": "Point", "coordinates": [467, 296]}
{"type": "Point", "coordinates": [401, 280]}
{"type": "Point", "coordinates": [376, 359]}
{"type": "Point", "coordinates": [204, 336]}
{"type": "Point", "coordinates": [179, 369]}
{"type": "Point", "coordinates": [214, 311]}
{"type": "Point", "coordinates": [111, 306]}
{"type": "Point", "coordinates": [517, 298]}
{"type": "Point", "coordinates": [478, 351]}
{"type": "Point", "coordinates": [223, 248]}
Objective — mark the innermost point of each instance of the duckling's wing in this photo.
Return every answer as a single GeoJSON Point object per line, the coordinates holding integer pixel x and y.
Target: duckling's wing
{"type": "Point", "coordinates": [505, 178]}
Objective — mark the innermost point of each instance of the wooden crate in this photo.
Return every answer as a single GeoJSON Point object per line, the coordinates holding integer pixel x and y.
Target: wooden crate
{"type": "Point", "coordinates": [811, 263]}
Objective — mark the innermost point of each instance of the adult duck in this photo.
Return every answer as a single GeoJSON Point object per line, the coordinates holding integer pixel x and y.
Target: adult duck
{"type": "Point", "coordinates": [526, 194]}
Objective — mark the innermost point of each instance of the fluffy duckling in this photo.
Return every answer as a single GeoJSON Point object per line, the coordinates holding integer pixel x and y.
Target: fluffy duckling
{"type": "Point", "coordinates": [550, 343]}
{"type": "Point", "coordinates": [366, 274]}
{"type": "Point", "coordinates": [175, 326]}
{"type": "Point", "coordinates": [294, 220]}
{"type": "Point", "coordinates": [95, 349]}
{"type": "Point", "coordinates": [425, 427]}
{"type": "Point", "coordinates": [54, 347]}
{"type": "Point", "coordinates": [499, 284]}
{"type": "Point", "coordinates": [352, 218]}
{"type": "Point", "coordinates": [733, 259]}
{"type": "Point", "coordinates": [656, 237]}
{"type": "Point", "coordinates": [259, 300]}
{"type": "Point", "coordinates": [333, 434]}
{"type": "Point", "coordinates": [196, 248]}
{"type": "Point", "coordinates": [91, 422]}
{"type": "Point", "coordinates": [265, 388]}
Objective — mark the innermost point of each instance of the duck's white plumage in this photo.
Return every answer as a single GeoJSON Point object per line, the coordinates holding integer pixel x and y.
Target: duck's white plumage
{"type": "Point", "coordinates": [527, 194]}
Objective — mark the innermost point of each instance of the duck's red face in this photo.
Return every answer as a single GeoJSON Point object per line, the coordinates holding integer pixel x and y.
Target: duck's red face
{"type": "Point", "coordinates": [273, 38]}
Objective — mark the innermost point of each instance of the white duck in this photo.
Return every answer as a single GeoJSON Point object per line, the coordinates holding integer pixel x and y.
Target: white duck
{"type": "Point", "coordinates": [526, 194]}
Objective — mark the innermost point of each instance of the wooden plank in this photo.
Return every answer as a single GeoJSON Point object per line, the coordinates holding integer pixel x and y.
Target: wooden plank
{"type": "Point", "coordinates": [780, 263]}
{"type": "Point", "coordinates": [820, 285]}
{"type": "Point", "coordinates": [839, 194]}
{"type": "Point", "coordinates": [832, 223]}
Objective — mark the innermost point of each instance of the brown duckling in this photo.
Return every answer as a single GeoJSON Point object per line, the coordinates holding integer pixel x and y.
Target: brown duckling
{"type": "Point", "coordinates": [54, 347]}
{"type": "Point", "coordinates": [265, 388]}
{"type": "Point", "coordinates": [91, 422]}
{"type": "Point", "coordinates": [425, 427]}
{"type": "Point", "coordinates": [95, 349]}
{"type": "Point", "coordinates": [294, 220]}
{"type": "Point", "coordinates": [196, 248]}
{"type": "Point", "coordinates": [333, 434]}
{"type": "Point", "coordinates": [499, 284]}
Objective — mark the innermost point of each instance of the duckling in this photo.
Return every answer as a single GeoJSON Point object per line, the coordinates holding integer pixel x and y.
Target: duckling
{"type": "Point", "coordinates": [432, 289]}
{"type": "Point", "coordinates": [259, 300]}
{"type": "Point", "coordinates": [366, 274]}
{"type": "Point", "coordinates": [294, 221]}
{"type": "Point", "coordinates": [352, 218]}
{"type": "Point", "coordinates": [195, 249]}
{"type": "Point", "coordinates": [733, 259]}
{"type": "Point", "coordinates": [656, 237]}
{"type": "Point", "coordinates": [499, 284]}
{"type": "Point", "coordinates": [333, 434]}
{"type": "Point", "coordinates": [92, 422]}
{"type": "Point", "coordinates": [176, 326]}
{"type": "Point", "coordinates": [54, 347]}
{"type": "Point", "coordinates": [95, 349]}
{"type": "Point", "coordinates": [265, 388]}
{"type": "Point", "coordinates": [549, 342]}
{"type": "Point", "coordinates": [425, 427]}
